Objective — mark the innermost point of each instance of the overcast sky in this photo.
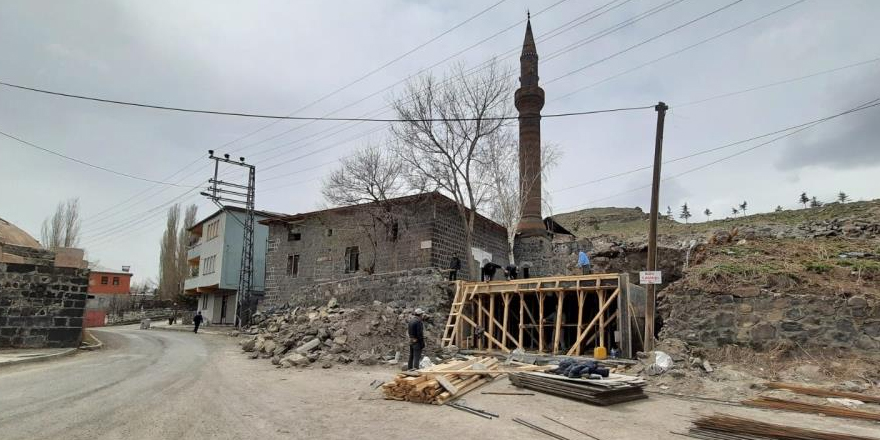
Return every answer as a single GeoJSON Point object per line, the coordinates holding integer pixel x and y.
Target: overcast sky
{"type": "Point", "coordinates": [278, 56]}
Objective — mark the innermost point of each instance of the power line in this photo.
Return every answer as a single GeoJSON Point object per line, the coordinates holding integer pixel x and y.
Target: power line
{"type": "Point", "coordinates": [800, 128]}
{"type": "Point", "coordinates": [118, 173]}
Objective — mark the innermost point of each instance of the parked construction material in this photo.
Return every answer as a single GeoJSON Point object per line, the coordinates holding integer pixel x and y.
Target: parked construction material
{"type": "Point", "coordinates": [596, 392]}
{"type": "Point", "coordinates": [725, 427]}
{"type": "Point", "coordinates": [788, 405]}
{"type": "Point", "coordinates": [539, 429]}
{"type": "Point", "coordinates": [571, 428]}
{"type": "Point", "coordinates": [811, 391]}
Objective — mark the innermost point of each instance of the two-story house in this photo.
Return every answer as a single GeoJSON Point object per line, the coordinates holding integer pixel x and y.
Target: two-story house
{"type": "Point", "coordinates": [214, 256]}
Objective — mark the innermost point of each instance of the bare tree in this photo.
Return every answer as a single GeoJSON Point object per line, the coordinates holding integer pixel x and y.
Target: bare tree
{"type": "Point", "coordinates": [371, 177]}
{"type": "Point", "coordinates": [169, 284]}
{"type": "Point", "coordinates": [707, 213]}
{"type": "Point", "coordinates": [743, 206]}
{"type": "Point", "coordinates": [183, 240]}
{"type": "Point", "coordinates": [445, 132]}
{"type": "Point", "coordinates": [62, 228]}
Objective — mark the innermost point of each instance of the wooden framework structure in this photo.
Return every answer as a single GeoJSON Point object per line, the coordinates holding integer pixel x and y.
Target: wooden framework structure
{"type": "Point", "coordinates": [506, 315]}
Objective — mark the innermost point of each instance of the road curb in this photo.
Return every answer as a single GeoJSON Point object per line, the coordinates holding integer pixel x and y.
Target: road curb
{"type": "Point", "coordinates": [209, 332]}
{"type": "Point", "coordinates": [97, 345]}
{"type": "Point", "coordinates": [42, 358]}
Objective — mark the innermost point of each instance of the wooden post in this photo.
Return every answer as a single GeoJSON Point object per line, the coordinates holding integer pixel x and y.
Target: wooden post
{"type": "Point", "coordinates": [491, 318]}
{"type": "Point", "coordinates": [652, 229]}
{"type": "Point", "coordinates": [601, 319]}
{"type": "Point", "coordinates": [580, 326]}
{"type": "Point", "coordinates": [522, 321]}
{"type": "Point", "coordinates": [624, 323]}
{"type": "Point", "coordinates": [558, 329]}
{"type": "Point", "coordinates": [506, 298]}
{"type": "Point", "coordinates": [541, 322]}
{"type": "Point", "coordinates": [480, 321]}
{"type": "Point", "coordinates": [586, 331]}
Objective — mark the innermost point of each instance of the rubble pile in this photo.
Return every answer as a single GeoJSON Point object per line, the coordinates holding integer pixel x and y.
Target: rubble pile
{"type": "Point", "coordinates": [332, 334]}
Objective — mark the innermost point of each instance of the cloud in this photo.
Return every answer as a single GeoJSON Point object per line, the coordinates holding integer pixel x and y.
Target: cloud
{"type": "Point", "coordinates": [851, 144]}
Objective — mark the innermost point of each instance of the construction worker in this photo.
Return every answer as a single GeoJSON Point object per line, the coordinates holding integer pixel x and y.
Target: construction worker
{"type": "Point", "coordinates": [454, 267]}
{"type": "Point", "coordinates": [416, 331]}
{"type": "Point", "coordinates": [584, 263]}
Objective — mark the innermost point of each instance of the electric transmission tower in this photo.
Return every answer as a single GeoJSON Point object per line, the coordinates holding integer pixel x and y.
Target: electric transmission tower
{"type": "Point", "coordinates": [222, 193]}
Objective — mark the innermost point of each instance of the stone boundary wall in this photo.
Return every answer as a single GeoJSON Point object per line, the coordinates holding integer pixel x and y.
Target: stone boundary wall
{"type": "Point", "coordinates": [761, 319]}
{"type": "Point", "coordinates": [41, 305]}
{"type": "Point", "coordinates": [426, 288]}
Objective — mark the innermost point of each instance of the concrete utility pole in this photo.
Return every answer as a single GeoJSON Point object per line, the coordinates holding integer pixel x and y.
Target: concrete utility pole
{"type": "Point", "coordinates": [651, 297]}
{"type": "Point", "coordinates": [222, 191]}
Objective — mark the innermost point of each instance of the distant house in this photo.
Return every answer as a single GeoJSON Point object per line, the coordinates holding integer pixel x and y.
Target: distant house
{"type": "Point", "coordinates": [418, 231]}
{"type": "Point", "coordinates": [214, 256]}
{"type": "Point", "coordinates": [106, 286]}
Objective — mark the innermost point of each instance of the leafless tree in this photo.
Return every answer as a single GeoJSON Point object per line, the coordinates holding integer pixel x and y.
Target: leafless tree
{"type": "Point", "coordinates": [370, 178]}
{"type": "Point", "coordinates": [444, 138]}
{"type": "Point", "coordinates": [62, 228]}
{"type": "Point", "coordinates": [506, 202]}
{"type": "Point", "coordinates": [183, 240]}
{"type": "Point", "coordinates": [169, 284]}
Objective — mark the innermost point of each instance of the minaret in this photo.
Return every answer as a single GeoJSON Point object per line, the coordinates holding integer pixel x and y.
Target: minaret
{"type": "Point", "coordinates": [529, 99]}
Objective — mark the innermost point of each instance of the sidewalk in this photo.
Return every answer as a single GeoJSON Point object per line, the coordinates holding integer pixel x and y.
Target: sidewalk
{"type": "Point", "coordinates": [19, 356]}
{"type": "Point", "coordinates": [221, 330]}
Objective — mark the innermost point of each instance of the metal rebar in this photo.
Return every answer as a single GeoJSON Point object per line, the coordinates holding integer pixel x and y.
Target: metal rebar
{"type": "Point", "coordinates": [571, 428]}
{"type": "Point", "coordinates": [539, 429]}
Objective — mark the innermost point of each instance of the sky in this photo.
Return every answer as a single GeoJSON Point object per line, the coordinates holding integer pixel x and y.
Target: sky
{"type": "Point", "coordinates": [349, 58]}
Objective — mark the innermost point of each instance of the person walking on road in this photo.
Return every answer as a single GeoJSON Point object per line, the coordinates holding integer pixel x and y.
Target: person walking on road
{"type": "Point", "coordinates": [197, 321]}
{"type": "Point", "coordinates": [584, 263]}
{"type": "Point", "coordinates": [416, 331]}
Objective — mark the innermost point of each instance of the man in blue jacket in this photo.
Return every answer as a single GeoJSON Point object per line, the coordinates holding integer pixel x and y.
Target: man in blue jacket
{"type": "Point", "coordinates": [584, 263]}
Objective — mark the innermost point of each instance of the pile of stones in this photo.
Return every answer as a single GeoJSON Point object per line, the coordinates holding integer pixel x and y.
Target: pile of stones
{"type": "Point", "coordinates": [332, 334]}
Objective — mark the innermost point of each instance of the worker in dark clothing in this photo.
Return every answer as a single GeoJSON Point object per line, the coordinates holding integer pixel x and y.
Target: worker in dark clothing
{"type": "Point", "coordinates": [454, 267]}
{"type": "Point", "coordinates": [416, 331]}
{"type": "Point", "coordinates": [197, 321]}
{"type": "Point", "coordinates": [489, 270]}
{"type": "Point", "coordinates": [510, 271]}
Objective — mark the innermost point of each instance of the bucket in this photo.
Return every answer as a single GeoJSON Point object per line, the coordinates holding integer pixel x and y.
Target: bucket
{"type": "Point", "coordinates": [600, 353]}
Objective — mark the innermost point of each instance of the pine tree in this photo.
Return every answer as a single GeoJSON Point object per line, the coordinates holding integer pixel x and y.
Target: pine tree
{"type": "Point", "coordinates": [685, 212]}
{"type": "Point", "coordinates": [815, 203]}
{"type": "Point", "coordinates": [842, 197]}
{"type": "Point", "coordinates": [669, 212]}
{"type": "Point", "coordinates": [743, 206]}
{"type": "Point", "coordinates": [734, 211]}
{"type": "Point", "coordinates": [804, 199]}
{"type": "Point", "coordinates": [708, 213]}
{"type": "Point", "coordinates": [778, 208]}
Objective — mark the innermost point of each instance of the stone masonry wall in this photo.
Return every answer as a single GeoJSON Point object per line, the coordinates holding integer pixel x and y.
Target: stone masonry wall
{"type": "Point", "coordinates": [41, 305]}
{"type": "Point", "coordinates": [763, 319]}
{"type": "Point", "coordinates": [426, 288]}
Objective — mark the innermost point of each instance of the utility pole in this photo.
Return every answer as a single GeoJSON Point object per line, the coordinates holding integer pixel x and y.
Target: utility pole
{"type": "Point", "coordinates": [221, 191]}
{"type": "Point", "coordinates": [651, 297]}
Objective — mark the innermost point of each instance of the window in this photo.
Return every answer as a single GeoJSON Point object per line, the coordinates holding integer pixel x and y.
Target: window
{"type": "Point", "coordinates": [293, 265]}
{"type": "Point", "coordinates": [212, 230]}
{"type": "Point", "coordinates": [105, 280]}
{"type": "Point", "coordinates": [293, 236]}
{"type": "Point", "coordinates": [208, 264]}
{"type": "Point", "coordinates": [351, 259]}
{"type": "Point", "coordinates": [115, 281]}
{"type": "Point", "coordinates": [330, 232]}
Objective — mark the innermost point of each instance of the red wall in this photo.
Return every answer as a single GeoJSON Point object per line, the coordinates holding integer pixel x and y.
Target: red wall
{"type": "Point", "coordinates": [95, 285]}
{"type": "Point", "coordinates": [94, 318]}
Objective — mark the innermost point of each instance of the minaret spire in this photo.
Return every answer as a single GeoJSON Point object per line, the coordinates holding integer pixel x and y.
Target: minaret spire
{"type": "Point", "coordinates": [529, 99]}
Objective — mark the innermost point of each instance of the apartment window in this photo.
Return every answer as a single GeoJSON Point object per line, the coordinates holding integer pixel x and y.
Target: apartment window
{"type": "Point", "coordinates": [212, 229]}
{"type": "Point", "coordinates": [115, 281]}
{"type": "Point", "coordinates": [351, 259]}
{"type": "Point", "coordinates": [293, 265]}
{"type": "Point", "coordinates": [208, 265]}
{"type": "Point", "coordinates": [105, 280]}
{"type": "Point", "coordinates": [293, 236]}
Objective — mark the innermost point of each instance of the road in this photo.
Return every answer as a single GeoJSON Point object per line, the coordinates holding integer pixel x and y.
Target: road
{"type": "Point", "coordinates": [176, 385]}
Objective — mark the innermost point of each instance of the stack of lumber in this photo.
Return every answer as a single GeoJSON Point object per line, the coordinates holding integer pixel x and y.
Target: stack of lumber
{"type": "Point", "coordinates": [616, 389]}
{"type": "Point", "coordinates": [790, 405]}
{"type": "Point", "coordinates": [445, 382]}
{"type": "Point", "coordinates": [724, 427]}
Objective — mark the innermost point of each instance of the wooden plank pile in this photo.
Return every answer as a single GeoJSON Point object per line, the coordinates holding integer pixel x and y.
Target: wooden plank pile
{"type": "Point", "coordinates": [725, 427]}
{"type": "Point", "coordinates": [445, 382]}
{"type": "Point", "coordinates": [616, 389]}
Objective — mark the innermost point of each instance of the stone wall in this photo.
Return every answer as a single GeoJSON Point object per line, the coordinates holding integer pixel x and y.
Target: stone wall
{"type": "Point", "coordinates": [761, 319]}
{"type": "Point", "coordinates": [41, 305]}
{"type": "Point", "coordinates": [425, 231]}
{"type": "Point", "coordinates": [426, 288]}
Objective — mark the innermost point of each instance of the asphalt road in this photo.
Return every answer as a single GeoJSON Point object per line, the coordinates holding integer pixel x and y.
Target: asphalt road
{"type": "Point", "coordinates": [144, 384]}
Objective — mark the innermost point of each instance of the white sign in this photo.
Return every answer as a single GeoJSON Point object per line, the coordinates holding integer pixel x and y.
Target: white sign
{"type": "Point", "coordinates": [650, 277]}
{"type": "Point", "coordinates": [425, 244]}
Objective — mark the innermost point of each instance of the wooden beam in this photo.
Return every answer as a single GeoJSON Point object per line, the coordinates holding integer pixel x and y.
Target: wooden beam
{"type": "Point", "coordinates": [594, 321]}
{"type": "Point", "coordinates": [521, 320]}
{"type": "Point", "coordinates": [558, 324]}
{"type": "Point", "coordinates": [580, 296]}
{"type": "Point", "coordinates": [480, 321]}
{"type": "Point", "coordinates": [506, 298]}
{"type": "Point", "coordinates": [541, 320]}
{"type": "Point", "coordinates": [601, 319]}
{"type": "Point", "coordinates": [495, 321]}
{"type": "Point", "coordinates": [487, 335]}
{"type": "Point", "coordinates": [491, 318]}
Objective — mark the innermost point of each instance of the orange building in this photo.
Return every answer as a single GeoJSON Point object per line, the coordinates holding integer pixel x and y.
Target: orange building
{"type": "Point", "coordinates": [108, 281]}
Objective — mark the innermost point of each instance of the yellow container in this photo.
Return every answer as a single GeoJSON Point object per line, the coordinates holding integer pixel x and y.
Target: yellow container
{"type": "Point", "coordinates": [600, 353]}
